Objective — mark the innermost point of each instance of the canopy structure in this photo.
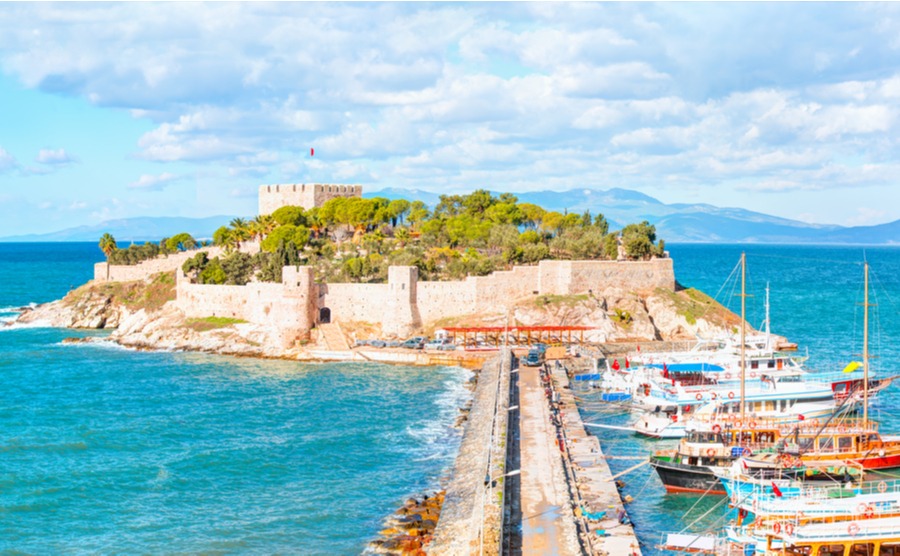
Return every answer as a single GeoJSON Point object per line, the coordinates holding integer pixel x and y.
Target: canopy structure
{"type": "Point", "coordinates": [495, 336]}
{"type": "Point", "coordinates": [688, 367]}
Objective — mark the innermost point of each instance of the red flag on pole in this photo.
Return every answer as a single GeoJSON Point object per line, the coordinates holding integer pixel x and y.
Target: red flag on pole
{"type": "Point", "coordinates": [776, 490]}
{"type": "Point", "coordinates": [312, 152]}
{"type": "Point", "coordinates": [615, 364]}
{"type": "Point", "coordinates": [626, 363]}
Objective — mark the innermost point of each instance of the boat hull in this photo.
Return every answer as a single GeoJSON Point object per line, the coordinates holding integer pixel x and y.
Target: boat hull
{"type": "Point", "coordinates": [678, 477]}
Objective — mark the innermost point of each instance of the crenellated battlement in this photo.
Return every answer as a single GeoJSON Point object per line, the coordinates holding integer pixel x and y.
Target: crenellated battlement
{"type": "Point", "coordinates": [306, 195]}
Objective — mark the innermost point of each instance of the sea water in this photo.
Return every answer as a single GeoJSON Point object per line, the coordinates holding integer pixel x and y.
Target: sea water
{"type": "Point", "coordinates": [109, 450]}
{"type": "Point", "coordinates": [816, 297]}
{"type": "Point", "coordinates": [103, 449]}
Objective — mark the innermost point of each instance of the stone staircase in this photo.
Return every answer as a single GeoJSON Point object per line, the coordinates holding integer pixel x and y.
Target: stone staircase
{"type": "Point", "coordinates": [332, 337]}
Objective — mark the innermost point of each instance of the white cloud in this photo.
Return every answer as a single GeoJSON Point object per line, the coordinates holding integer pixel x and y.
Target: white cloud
{"type": "Point", "coordinates": [150, 182]}
{"type": "Point", "coordinates": [57, 157]}
{"type": "Point", "coordinates": [512, 96]}
{"type": "Point", "coordinates": [7, 161]}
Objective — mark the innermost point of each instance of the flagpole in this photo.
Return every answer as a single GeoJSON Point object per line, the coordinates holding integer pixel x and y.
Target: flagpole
{"type": "Point", "coordinates": [743, 330]}
{"type": "Point", "coordinates": [866, 349]}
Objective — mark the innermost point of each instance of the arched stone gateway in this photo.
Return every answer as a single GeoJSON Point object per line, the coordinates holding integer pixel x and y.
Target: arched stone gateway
{"type": "Point", "coordinates": [324, 315]}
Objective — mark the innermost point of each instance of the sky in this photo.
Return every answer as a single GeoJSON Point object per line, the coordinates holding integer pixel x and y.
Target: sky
{"type": "Point", "coordinates": [111, 110]}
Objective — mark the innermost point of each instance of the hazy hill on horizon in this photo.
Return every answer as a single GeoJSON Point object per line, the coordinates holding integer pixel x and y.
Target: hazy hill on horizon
{"type": "Point", "coordinates": [675, 223]}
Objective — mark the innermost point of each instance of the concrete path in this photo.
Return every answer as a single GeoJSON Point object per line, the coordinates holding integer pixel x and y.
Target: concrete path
{"type": "Point", "coordinates": [547, 520]}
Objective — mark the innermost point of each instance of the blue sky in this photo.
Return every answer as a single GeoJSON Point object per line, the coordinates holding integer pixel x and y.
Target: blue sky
{"type": "Point", "coordinates": [141, 109]}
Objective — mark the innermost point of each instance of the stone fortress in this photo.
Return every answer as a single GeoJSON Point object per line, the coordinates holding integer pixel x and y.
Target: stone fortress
{"type": "Point", "coordinates": [401, 306]}
{"type": "Point", "coordinates": [273, 197]}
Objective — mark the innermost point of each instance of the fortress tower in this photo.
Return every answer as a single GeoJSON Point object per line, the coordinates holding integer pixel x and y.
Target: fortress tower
{"type": "Point", "coordinates": [306, 195]}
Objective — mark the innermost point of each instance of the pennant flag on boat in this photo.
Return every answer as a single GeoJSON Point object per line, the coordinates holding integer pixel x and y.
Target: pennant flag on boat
{"type": "Point", "coordinates": [626, 363]}
{"type": "Point", "coordinates": [852, 366]}
{"type": "Point", "coordinates": [615, 364]}
{"type": "Point", "coordinates": [776, 490]}
{"type": "Point", "coordinates": [744, 463]}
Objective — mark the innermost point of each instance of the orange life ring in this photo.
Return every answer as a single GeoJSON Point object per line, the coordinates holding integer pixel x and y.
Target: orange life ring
{"type": "Point", "coordinates": [801, 514]}
{"type": "Point", "coordinates": [738, 423]}
{"type": "Point", "coordinates": [853, 529]}
{"type": "Point", "coordinates": [776, 528]}
{"type": "Point", "coordinates": [789, 529]}
{"type": "Point", "coordinates": [730, 395]}
{"type": "Point", "coordinates": [727, 375]}
{"type": "Point", "coordinates": [882, 487]}
{"type": "Point", "coordinates": [752, 424]}
{"type": "Point", "coordinates": [711, 452]}
{"type": "Point", "coordinates": [752, 374]}
{"type": "Point", "coordinates": [717, 429]}
{"type": "Point", "coordinates": [870, 512]}
{"type": "Point", "coordinates": [861, 508]}
{"type": "Point", "coordinates": [699, 396]}
{"type": "Point", "coordinates": [714, 396]}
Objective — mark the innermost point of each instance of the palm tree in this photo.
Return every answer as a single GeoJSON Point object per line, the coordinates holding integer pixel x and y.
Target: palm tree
{"type": "Point", "coordinates": [107, 245]}
{"type": "Point", "coordinates": [240, 231]}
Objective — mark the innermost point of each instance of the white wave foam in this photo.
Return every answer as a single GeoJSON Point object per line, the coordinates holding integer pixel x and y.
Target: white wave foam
{"type": "Point", "coordinates": [16, 309]}
{"type": "Point", "coordinates": [437, 438]}
{"type": "Point", "coordinates": [97, 343]}
{"type": "Point", "coordinates": [12, 325]}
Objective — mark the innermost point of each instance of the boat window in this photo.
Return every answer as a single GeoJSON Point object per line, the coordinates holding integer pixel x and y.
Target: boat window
{"type": "Point", "coordinates": [754, 364]}
{"type": "Point", "coordinates": [862, 549]}
{"type": "Point", "coordinates": [845, 443]}
{"type": "Point", "coordinates": [890, 549]}
{"type": "Point", "coordinates": [692, 461]}
{"type": "Point", "coordinates": [831, 550]}
{"type": "Point", "coordinates": [801, 550]}
{"type": "Point", "coordinates": [770, 405]}
{"type": "Point", "coordinates": [805, 444]}
{"type": "Point", "coordinates": [826, 443]}
{"type": "Point", "coordinates": [770, 364]}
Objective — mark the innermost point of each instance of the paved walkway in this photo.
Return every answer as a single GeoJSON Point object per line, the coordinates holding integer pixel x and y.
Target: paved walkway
{"type": "Point", "coordinates": [548, 526]}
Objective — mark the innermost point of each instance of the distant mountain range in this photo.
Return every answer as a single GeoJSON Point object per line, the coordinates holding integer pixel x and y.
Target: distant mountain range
{"type": "Point", "coordinates": [139, 228]}
{"type": "Point", "coordinates": [687, 223]}
{"type": "Point", "coordinates": [676, 223]}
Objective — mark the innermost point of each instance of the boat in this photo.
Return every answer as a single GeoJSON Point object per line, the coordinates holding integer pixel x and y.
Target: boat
{"type": "Point", "coordinates": [707, 445]}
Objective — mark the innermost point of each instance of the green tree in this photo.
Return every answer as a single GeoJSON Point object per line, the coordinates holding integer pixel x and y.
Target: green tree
{"type": "Point", "coordinates": [418, 213]}
{"type": "Point", "coordinates": [213, 273]}
{"type": "Point", "coordinates": [398, 209]}
{"type": "Point", "coordinates": [294, 216]}
{"type": "Point", "coordinates": [108, 244]}
{"type": "Point", "coordinates": [293, 237]}
{"type": "Point", "coordinates": [611, 246]}
{"type": "Point", "coordinates": [238, 268]}
{"type": "Point", "coordinates": [181, 242]}
{"type": "Point", "coordinates": [601, 224]}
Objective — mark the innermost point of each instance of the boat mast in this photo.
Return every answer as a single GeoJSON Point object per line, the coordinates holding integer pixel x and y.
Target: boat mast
{"type": "Point", "coordinates": [743, 329]}
{"type": "Point", "coordinates": [767, 317]}
{"type": "Point", "coordinates": [866, 349]}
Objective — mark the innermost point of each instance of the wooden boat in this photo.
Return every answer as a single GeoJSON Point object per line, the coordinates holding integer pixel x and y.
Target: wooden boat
{"type": "Point", "coordinates": [688, 468]}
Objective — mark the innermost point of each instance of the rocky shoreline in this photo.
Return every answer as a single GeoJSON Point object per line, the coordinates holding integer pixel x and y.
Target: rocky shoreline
{"type": "Point", "coordinates": [143, 317]}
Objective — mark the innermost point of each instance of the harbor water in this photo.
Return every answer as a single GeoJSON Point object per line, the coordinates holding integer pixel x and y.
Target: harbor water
{"type": "Point", "coordinates": [106, 450]}
{"type": "Point", "coordinates": [816, 297]}
{"type": "Point", "coordinates": [103, 449]}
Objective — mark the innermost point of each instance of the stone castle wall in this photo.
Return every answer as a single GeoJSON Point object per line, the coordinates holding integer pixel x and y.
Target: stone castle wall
{"type": "Point", "coordinates": [145, 269]}
{"type": "Point", "coordinates": [405, 304]}
{"type": "Point", "coordinates": [306, 195]}
{"type": "Point", "coordinates": [290, 306]}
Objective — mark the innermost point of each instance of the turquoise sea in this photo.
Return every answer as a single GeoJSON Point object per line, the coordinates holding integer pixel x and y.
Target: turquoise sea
{"type": "Point", "coordinates": [114, 451]}
{"type": "Point", "coordinates": [105, 450]}
{"type": "Point", "coordinates": [816, 296]}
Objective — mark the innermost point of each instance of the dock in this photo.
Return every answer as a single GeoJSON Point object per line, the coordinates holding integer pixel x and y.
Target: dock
{"type": "Point", "coordinates": [528, 478]}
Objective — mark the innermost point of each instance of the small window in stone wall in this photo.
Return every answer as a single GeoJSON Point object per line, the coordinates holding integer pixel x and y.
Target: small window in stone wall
{"type": "Point", "coordinates": [402, 286]}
